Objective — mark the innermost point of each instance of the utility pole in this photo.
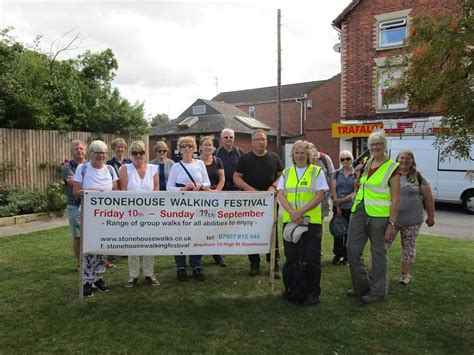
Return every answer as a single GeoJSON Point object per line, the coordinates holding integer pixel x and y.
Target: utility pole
{"type": "Point", "coordinates": [278, 141]}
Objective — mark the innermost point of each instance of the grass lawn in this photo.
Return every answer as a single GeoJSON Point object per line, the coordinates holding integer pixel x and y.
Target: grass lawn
{"type": "Point", "coordinates": [231, 312]}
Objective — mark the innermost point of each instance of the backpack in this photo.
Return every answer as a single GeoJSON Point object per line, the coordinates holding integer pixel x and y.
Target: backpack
{"type": "Point", "coordinates": [109, 167]}
{"type": "Point", "coordinates": [73, 166]}
{"type": "Point", "coordinates": [419, 178]}
{"type": "Point", "coordinates": [296, 283]}
{"type": "Point", "coordinates": [296, 280]}
{"type": "Point", "coordinates": [323, 158]}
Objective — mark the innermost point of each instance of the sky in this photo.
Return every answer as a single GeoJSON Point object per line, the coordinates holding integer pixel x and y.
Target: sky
{"type": "Point", "coordinates": [171, 52]}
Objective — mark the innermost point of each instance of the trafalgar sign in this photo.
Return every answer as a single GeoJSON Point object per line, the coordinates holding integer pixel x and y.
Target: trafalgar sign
{"type": "Point", "coordinates": [354, 130]}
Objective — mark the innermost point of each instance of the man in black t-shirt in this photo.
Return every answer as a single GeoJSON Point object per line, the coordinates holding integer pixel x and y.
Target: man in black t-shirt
{"type": "Point", "coordinates": [259, 170]}
{"type": "Point", "coordinates": [230, 155]}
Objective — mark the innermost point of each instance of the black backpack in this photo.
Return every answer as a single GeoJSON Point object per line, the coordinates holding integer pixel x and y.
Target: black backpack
{"type": "Point", "coordinates": [296, 280]}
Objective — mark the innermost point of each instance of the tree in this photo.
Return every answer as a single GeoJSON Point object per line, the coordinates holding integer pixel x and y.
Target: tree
{"type": "Point", "coordinates": [158, 119]}
{"type": "Point", "coordinates": [439, 76]}
{"type": "Point", "coordinates": [39, 91]}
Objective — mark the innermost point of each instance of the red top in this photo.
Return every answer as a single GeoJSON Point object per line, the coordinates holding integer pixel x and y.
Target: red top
{"type": "Point", "coordinates": [397, 171]}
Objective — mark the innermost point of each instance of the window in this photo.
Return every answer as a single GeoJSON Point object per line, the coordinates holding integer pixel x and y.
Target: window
{"type": "Point", "coordinates": [188, 122]}
{"type": "Point", "coordinates": [199, 110]}
{"type": "Point", "coordinates": [386, 79]}
{"type": "Point", "coordinates": [252, 123]}
{"type": "Point", "coordinates": [252, 111]}
{"type": "Point", "coordinates": [392, 32]}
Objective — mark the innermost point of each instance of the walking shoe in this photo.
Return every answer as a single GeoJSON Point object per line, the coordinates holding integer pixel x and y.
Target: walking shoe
{"type": "Point", "coordinates": [182, 276]}
{"type": "Point", "coordinates": [354, 293]}
{"type": "Point", "coordinates": [219, 260]}
{"type": "Point", "coordinates": [87, 290]}
{"type": "Point", "coordinates": [109, 264]}
{"type": "Point", "coordinates": [197, 274]}
{"type": "Point", "coordinates": [405, 279]}
{"type": "Point", "coordinates": [132, 281]}
{"type": "Point", "coordinates": [369, 299]}
{"type": "Point", "coordinates": [151, 280]}
{"type": "Point", "coordinates": [337, 260]}
{"type": "Point", "coordinates": [101, 286]}
{"type": "Point", "coordinates": [254, 269]}
{"type": "Point", "coordinates": [311, 300]}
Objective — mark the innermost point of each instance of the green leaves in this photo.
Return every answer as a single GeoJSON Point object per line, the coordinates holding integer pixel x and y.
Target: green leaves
{"type": "Point", "coordinates": [38, 91]}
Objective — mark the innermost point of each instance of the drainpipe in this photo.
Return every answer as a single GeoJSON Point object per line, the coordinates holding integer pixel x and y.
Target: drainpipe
{"type": "Point", "coordinates": [302, 112]}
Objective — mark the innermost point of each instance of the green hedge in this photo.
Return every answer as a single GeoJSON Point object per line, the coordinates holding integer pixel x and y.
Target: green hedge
{"type": "Point", "coordinates": [17, 200]}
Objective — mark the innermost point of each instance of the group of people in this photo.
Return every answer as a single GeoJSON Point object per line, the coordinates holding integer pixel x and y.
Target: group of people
{"type": "Point", "coordinates": [378, 198]}
{"type": "Point", "coordinates": [213, 171]}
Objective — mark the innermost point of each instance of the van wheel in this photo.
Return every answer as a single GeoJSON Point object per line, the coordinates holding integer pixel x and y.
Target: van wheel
{"type": "Point", "coordinates": [468, 202]}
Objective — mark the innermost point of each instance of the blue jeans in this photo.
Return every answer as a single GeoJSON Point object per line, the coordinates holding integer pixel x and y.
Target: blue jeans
{"type": "Point", "coordinates": [194, 261]}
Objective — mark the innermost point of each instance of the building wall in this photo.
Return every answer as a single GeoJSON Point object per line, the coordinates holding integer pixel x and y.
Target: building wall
{"type": "Point", "coordinates": [267, 113]}
{"type": "Point", "coordinates": [358, 50]}
{"type": "Point", "coordinates": [319, 118]}
{"type": "Point", "coordinates": [325, 112]}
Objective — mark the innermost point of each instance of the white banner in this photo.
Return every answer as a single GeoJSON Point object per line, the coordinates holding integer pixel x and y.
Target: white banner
{"type": "Point", "coordinates": [177, 223]}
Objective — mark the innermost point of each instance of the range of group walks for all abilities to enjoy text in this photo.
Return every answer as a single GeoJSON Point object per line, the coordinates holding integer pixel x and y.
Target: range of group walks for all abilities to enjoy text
{"type": "Point", "coordinates": [173, 223]}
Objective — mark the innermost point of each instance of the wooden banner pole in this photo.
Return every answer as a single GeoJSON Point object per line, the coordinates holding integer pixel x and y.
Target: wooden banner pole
{"type": "Point", "coordinates": [273, 245]}
{"type": "Point", "coordinates": [81, 252]}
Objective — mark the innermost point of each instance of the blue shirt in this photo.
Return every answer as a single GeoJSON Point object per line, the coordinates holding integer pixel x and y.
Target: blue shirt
{"type": "Point", "coordinates": [344, 186]}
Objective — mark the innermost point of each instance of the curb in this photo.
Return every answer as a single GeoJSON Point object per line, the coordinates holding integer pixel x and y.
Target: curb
{"type": "Point", "coordinates": [26, 218]}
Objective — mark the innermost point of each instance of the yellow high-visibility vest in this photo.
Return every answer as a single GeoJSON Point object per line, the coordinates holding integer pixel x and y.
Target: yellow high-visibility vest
{"type": "Point", "coordinates": [375, 190]}
{"type": "Point", "coordinates": [300, 192]}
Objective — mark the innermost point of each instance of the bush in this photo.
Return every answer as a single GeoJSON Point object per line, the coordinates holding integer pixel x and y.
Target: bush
{"type": "Point", "coordinates": [28, 201]}
{"type": "Point", "coordinates": [18, 201]}
{"type": "Point", "coordinates": [56, 197]}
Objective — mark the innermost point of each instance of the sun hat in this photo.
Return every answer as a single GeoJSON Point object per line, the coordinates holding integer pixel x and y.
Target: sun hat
{"type": "Point", "coordinates": [293, 232]}
{"type": "Point", "coordinates": [338, 226]}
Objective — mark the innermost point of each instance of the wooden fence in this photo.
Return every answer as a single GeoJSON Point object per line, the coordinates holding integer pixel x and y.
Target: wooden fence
{"type": "Point", "coordinates": [33, 158]}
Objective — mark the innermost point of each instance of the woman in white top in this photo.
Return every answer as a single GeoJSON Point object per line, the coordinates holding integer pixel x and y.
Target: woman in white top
{"type": "Point", "coordinates": [96, 176]}
{"type": "Point", "coordinates": [140, 176]}
{"type": "Point", "coordinates": [188, 175]}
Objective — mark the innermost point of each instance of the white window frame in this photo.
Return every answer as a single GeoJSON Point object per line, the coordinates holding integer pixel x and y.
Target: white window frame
{"type": "Point", "coordinates": [390, 25]}
{"type": "Point", "coordinates": [252, 111]}
{"type": "Point", "coordinates": [382, 77]}
{"type": "Point", "coordinates": [199, 110]}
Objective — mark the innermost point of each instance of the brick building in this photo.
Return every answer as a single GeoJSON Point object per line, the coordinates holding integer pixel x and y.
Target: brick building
{"type": "Point", "coordinates": [372, 31]}
{"type": "Point", "coordinates": [308, 109]}
{"type": "Point", "coordinates": [209, 118]}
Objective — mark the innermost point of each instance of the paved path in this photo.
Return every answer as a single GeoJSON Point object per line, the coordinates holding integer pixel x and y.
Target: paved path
{"type": "Point", "coordinates": [33, 226]}
{"type": "Point", "coordinates": [451, 221]}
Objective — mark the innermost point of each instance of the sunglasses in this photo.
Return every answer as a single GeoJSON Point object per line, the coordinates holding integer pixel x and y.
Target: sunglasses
{"type": "Point", "coordinates": [345, 159]}
{"type": "Point", "coordinates": [184, 146]}
{"type": "Point", "coordinates": [228, 137]}
{"type": "Point", "coordinates": [100, 152]}
{"type": "Point", "coordinates": [138, 153]}
{"type": "Point", "coordinates": [162, 151]}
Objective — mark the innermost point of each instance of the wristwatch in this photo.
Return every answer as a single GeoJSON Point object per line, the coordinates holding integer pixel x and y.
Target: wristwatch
{"type": "Point", "coordinates": [391, 223]}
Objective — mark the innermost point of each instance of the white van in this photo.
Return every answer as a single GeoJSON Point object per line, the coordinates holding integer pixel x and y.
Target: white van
{"type": "Point", "coordinates": [451, 180]}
